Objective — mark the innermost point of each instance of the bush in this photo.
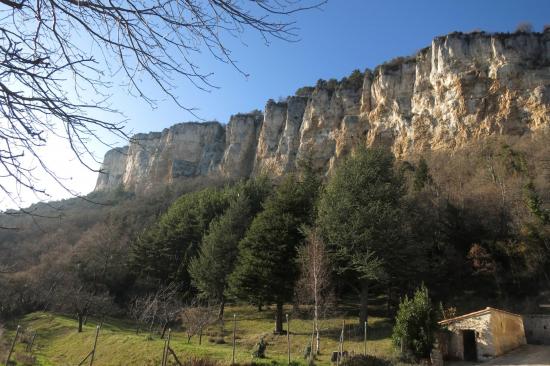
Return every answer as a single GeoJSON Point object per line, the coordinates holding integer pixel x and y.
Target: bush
{"type": "Point", "coordinates": [200, 361]}
{"type": "Point", "coordinates": [524, 27]}
{"type": "Point", "coordinates": [259, 349]}
{"type": "Point", "coordinates": [305, 91]}
{"type": "Point", "coordinates": [362, 360]}
{"type": "Point", "coordinates": [416, 324]}
{"type": "Point", "coordinates": [354, 81]}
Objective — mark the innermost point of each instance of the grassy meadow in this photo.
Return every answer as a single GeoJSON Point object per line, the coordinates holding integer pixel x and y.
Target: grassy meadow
{"type": "Point", "coordinates": [58, 343]}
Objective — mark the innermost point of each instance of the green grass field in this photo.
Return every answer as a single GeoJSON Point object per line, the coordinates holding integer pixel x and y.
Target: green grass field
{"type": "Point", "coordinates": [58, 343]}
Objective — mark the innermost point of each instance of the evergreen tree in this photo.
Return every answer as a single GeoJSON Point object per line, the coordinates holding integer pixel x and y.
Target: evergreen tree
{"type": "Point", "coordinates": [359, 217]}
{"type": "Point", "coordinates": [218, 251]}
{"type": "Point", "coordinates": [164, 251]}
{"type": "Point", "coordinates": [421, 175]}
{"type": "Point", "coordinates": [266, 268]}
{"type": "Point", "coordinates": [416, 324]}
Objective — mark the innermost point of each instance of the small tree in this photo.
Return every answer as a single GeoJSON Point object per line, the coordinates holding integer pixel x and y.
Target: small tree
{"type": "Point", "coordinates": [160, 307]}
{"type": "Point", "coordinates": [415, 324]}
{"type": "Point", "coordinates": [195, 318]}
{"type": "Point", "coordinates": [315, 278]}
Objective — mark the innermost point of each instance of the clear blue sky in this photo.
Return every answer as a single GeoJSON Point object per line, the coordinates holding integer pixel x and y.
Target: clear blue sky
{"type": "Point", "coordinates": [345, 35]}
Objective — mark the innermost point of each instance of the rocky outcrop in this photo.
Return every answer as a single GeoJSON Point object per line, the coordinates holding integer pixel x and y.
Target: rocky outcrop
{"type": "Point", "coordinates": [462, 88]}
{"type": "Point", "coordinates": [241, 141]}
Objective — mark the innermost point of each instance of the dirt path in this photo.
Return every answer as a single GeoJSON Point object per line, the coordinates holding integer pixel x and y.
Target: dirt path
{"type": "Point", "coordinates": [529, 355]}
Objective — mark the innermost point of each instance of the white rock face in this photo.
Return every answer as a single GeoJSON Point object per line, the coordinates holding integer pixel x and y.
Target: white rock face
{"type": "Point", "coordinates": [241, 140]}
{"type": "Point", "coordinates": [462, 88]}
{"type": "Point", "coordinates": [112, 169]}
{"type": "Point", "coordinates": [279, 140]}
{"type": "Point", "coordinates": [156, 158]}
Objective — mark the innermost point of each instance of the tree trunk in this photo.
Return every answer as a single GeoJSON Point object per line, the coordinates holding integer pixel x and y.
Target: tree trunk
{"type": "Point", "coordinates": [200, 337]}
{"type": "Point", "coordinates": [364, 307]}
{"type": "Point", "coordinates": [279, 319]}
{"type": "Point", "coordinates": [260, 308]}
{"type": "Point", "coordinates": [222, 307]}
{"type": "Point", "coordinates": [80, 322]}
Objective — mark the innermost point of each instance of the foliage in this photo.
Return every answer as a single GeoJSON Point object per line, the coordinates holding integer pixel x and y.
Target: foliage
{"type": "Point", "coordinates": [421, 175]}
{"type": "Point", "coordinates": [524, 27]}
{"type": "Point", "coordinates": [354, 81]}
{"type": "Point", "coordinates": [266, 269]}
{"type": "Point", "coordinates": [362, 360]}
{"type": "Point", "coordinates": [304, 91]}
{"type": "Point", "coordinates": [260, 348]}
{"type": "Point", "coordinates": [219, 247]}
{"type": "Point", "coordinates": [360, 215]}
{"type": "Point", "coordinates": [416, 324]}
{"type": "Point", "coordinates": [165, 250]}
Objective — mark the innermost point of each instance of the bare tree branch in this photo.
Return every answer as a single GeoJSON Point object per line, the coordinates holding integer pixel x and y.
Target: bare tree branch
{"type": "Point", "coordinates": [58, 60]}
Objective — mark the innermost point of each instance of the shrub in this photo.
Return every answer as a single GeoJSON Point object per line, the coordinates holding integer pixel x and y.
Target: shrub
{"type": "Point", "coordinates": [305, 91]}
{"type": "Point", "coordinates": [200, 361]}
{"type": "Point", "coordinates": [524, 27]}
{"type": "Point", "coordinates": [362, 360]}
{"type": "Point", "coordinates": [354, 81]}
{"type": "Point", "coordinates": [259, 349]}
{"type": "Point", "coordinates": [416, 324]}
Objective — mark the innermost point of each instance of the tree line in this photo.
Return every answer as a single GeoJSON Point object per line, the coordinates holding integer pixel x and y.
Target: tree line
{"type": "Point", "coordinates": [377, 227]}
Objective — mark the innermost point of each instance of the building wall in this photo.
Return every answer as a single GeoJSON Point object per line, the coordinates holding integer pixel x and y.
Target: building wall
{"type": "Point", "coordinates": [484, 338]}
{"type": "Point", "coordinates": [537, 328]}
{"type": "Point", "coordinates": [508, 332]}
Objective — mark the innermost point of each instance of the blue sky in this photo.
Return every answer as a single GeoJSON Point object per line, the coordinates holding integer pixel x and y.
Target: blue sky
{"type": "Point", "coordinates": [345, 35]}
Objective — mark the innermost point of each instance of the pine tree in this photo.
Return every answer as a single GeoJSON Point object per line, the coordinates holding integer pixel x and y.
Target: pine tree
{"type": "Point", "coordinates": [164, 250]}
{"type": "Point", "coordinates": [218, 251]}
{"type": "Point", "coordinates": [359, 217]}
{"type": "Point", "coordinates": [266, 268]}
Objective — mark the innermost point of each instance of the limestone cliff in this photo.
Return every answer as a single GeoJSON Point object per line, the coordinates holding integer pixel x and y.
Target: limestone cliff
{"type": "Point", "coordinates": [462, 88]}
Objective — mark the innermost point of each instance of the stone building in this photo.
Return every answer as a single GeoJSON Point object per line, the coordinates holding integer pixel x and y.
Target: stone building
{"type": "Point", "coordinates": [481, 335]}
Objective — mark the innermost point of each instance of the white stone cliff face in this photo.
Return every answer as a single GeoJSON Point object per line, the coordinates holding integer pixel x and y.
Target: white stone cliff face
{"type": "Point", "coordinates": [462, 88]}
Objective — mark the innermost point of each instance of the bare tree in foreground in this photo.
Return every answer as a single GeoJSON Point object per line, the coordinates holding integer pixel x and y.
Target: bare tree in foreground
{"type": "Point", "coordinates": [161, 307]}
{"type": "Point", "coordinates": [59, 59]}
{"type": "Point", "coordinates": [196, 317]}
{"type": "Point", "coordinates": [315, 278]}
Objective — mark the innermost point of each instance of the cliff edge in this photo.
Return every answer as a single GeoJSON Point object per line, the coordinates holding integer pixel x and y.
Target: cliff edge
{"type": "Point", "coordinates": [462, 88]}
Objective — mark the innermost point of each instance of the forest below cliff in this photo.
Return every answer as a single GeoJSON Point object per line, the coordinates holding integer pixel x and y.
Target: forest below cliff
{"type": "Point", "coordinates": [470, 224]}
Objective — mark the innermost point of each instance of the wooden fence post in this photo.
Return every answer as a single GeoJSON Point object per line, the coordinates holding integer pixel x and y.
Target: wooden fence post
{"type": "Point", "coordinates": [234, 334]}
{"type": "Point", "coordinates": [95, 345]}
{"type": "Point", "coordinates": [13, 345]}
{"type": "Point", "coordinates": [166, 348]}
{"type": "Point", "coordinates": [365, 338]}
{"type": "Point", "coordinates": [288, 337]}
{"type": "Point", "coordinates": [29, 347]}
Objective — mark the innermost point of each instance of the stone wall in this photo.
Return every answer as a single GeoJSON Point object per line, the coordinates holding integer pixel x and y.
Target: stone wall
{"type": "Point", "coordinates": [537, 328]}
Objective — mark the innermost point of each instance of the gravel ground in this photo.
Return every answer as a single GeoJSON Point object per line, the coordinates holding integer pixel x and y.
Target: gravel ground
{"type": "Point", "coordinates": [529, 355]}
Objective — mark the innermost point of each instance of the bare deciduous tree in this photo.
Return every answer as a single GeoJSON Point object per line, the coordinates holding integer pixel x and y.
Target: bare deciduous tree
{"type": "Point", "coordinates": [315, 278]}
{"type": "Point", "coordinates": [159, 308]}
{"type": "Point", "coordinates": [196, 317]}
{"type": "Point", "coordinates": [60, 58]}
